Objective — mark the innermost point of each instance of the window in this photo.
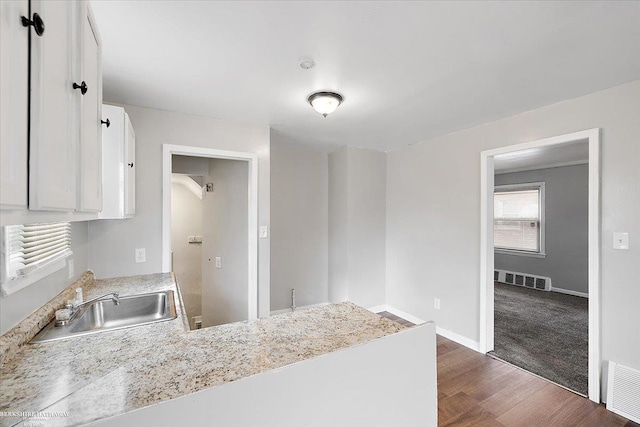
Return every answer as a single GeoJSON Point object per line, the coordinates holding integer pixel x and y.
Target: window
{"type": "Point", "coordinates": [518, 219]}
{"type": "Point", "coordinates": [32, 252]}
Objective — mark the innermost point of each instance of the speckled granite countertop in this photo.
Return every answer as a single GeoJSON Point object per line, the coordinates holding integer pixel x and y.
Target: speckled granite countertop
{"type": "Point", "coordinates": [101, 375]}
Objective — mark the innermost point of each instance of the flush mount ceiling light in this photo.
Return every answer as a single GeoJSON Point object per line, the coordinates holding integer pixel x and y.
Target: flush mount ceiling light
{"type": "Point", "coordinates": [325, 102]}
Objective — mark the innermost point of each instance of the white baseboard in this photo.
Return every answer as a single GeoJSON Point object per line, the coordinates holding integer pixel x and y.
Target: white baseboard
{"type": "Point", "coordinates": [570, 292]}
{"type": "Point", "coordinates": [405, 316]}
{"type": "Point", "coordinates": [304, 307]}
{"type": "Point", "coordinates": [378, 308]}
{"type": "Point", "coordinates": [473, 345]}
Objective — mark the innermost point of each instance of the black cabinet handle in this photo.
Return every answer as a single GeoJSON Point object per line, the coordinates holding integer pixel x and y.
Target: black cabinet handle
{"type": "Point", "coordinates": [130, 164]}
{"type": "Point", "coordinates": [37, 23]}
{"type": "Point", "coordinates": [106, 122]}
{"type": "Point", "coordinates": [82, 87]}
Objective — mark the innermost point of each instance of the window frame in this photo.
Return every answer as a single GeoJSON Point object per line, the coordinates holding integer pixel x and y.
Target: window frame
{"type": "Point", "coordinates": [540, 186]}
{"type": "Point", "coordinates": [10, 286]}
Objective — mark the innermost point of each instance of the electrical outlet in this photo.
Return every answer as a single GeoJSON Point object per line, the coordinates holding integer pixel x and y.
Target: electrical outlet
{"type": "Point", "coordinates": [218, 262]}
{"type": "Point", "coordinates": [70, 268]}
{"type": "Point", "coordinates": [436, 303]}
{"type": "Point", "coordinates": [141, 255]}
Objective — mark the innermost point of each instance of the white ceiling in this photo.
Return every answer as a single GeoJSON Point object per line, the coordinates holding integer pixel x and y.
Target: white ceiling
{"type": "Point", "coordinates": [542, 157]}
{"type": "Point", "coordinates": [409, 71]}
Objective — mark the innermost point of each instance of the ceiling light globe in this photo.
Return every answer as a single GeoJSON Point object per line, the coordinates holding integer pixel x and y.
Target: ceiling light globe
{"type": "Point", "coordinates": [325, 102]}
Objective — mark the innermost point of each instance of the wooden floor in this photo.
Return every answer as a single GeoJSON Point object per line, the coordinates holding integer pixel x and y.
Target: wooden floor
{"type": "Point", "coordinates": [477, 390]}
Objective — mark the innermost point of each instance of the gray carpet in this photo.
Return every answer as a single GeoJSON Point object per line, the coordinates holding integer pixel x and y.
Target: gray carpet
{"type": "Point", "coordinates": [543, 332]}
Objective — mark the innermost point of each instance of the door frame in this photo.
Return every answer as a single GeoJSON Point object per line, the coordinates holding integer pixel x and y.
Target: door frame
{"type": "Point", "coordinates": [487, 253]}
{"type": "Point", "coordinates": [168, 150]}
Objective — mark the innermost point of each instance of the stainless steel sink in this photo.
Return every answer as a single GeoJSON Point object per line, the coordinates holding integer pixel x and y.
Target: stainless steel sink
{"type": "Point", "coordinates": [100, 316]}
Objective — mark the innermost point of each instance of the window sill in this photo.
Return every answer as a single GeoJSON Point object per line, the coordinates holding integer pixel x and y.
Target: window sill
{"type": "Point", "coordinates": [520, 253]}
{"type": "Point", "coordinates": [13, 286]}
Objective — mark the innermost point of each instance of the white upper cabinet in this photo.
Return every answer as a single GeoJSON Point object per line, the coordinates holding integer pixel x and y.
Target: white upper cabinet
{"type": "Point", "coordinates": [54, 108]}
{"type": "Point", "coordinates": [118, 164]}
{"type": "Point", "coordinates": [90, 167]}
{"type": "Point", "coordinates": [50, 116]}
{"type": "Point", "coordinates": [14, 99]}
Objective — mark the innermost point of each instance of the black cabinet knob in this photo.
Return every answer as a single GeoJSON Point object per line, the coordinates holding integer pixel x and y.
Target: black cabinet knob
{"type": "Point", "coordinates": [82, 86]}
{"type": "Point", "coordinates": [106, 122]}
{"type": "Point", "coordinates": [130, 164]}
{"type": "Point", "coordinates": [37, 23]}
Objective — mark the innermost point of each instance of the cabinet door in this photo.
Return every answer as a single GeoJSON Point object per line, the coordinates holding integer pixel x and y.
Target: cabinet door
{"type": "Point", "coordinates": [130, 174]}
{"type": "Point", "coordinates": [54, 130]}
{"type": "Point", "coordinates": [90, 166]}
{"type": "Point", "coordinates": [113, 166]}
{"type": "Point", "coordinates": [14, 86]}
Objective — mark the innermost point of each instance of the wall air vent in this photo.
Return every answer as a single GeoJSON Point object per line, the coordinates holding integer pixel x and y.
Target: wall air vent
{"type": "Point", "coordinates": [540, 283]}
{"type": "Point", "coordinates": [623, 389]}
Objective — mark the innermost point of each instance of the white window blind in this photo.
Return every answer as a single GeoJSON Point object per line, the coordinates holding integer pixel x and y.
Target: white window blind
{"type": "Point", "coordinates": [28, 249]}
{"type": "Point", "coordinates": [516, 224]}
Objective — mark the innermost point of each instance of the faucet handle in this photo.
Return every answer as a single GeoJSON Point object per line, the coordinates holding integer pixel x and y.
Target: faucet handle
{"type": "Point", "coordinates": [63, 317]}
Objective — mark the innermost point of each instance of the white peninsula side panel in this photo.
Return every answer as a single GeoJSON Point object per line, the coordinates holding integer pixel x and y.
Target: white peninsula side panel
{"type": "Point", "coordinates": [350, 387]}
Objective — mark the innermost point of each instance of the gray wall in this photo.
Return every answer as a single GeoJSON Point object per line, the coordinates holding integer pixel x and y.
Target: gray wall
{"type": "Point", "coordinates": [299, 226]}
{"type": "Point", "coordinates": [16, 307]}
{"type": "Point", "coordinates": [338, 226]}
{"type": "Point", "coordinates": [225, 235]}
{"type": "Point", "coordinates": [186, 220]}
{"type": "Point", "coordinates": [113, 242]}
{"type": "Point", "coordinates": [566, 227]}
{"type": "Point", "coordinates": [189, 165]}
{"type": "Point", "coordinates": [357, 222]}
{"type": "Point", "coordinates": [367, 178]}
{"type": "Point", "coordinates": [433, 215]}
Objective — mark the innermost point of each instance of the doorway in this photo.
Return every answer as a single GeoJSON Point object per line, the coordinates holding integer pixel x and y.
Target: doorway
{"type": "Point", "coordinates": [487, 287]}
{"type": "Point", "coordinates": [223, 186]}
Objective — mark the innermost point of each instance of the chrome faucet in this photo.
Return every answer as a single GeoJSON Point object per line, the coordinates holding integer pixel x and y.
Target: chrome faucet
{"type": "Point", "coordinates": [75, 308]}
{"type": "Point", "coordinates": [114, 298]}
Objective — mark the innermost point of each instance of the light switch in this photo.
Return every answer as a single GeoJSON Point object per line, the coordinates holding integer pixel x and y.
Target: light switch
{"type": "Point", "coordinates": [620, 240]}
{"type": "Point", "coordinates": [264, 232]}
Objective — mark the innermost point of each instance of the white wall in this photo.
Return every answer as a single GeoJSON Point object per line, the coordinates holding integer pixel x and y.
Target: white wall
{"type": "Point", "coordinates": [433, 215]}
{"type": "Point", "coordinates": [113, 242]}
{"type": "Point", "coordinates": [16, 307]}
{"type": "Point", "coordinates": [566, 227]}
{"type": "Point", "coordinates": [225, 235]}
{"type": "Point", "coordinates": [299, 226]}
{"type": "Point", "coordinates": [186, 220]}
{"type": "Point", "coordinates": [357, 223]}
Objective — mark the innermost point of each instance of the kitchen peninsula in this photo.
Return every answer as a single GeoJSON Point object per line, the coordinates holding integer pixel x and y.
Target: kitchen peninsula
{"type": "Point", "coordinates": [104, 376]}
